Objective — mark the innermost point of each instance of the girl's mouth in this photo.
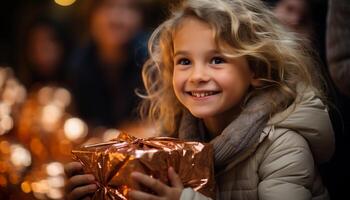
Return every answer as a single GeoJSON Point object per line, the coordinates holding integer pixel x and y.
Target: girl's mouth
{"type": "Point", "coordinates": [200, 94]}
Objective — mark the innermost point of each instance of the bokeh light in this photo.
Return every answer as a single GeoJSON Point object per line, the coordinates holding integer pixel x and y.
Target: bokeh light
{"type": "Point", "coordinates": [62, 97]}
{"type": "Point", "coordinates": [44, 95]}
{"type": "Point", "coordinates": [5, 147]}
{"type": "Point", "coordinates": [51, 114]}
{"type": "Point", "coordinates": [110, 134]}
{"type": "Point", "coordinates": [75, 129]}
{"type": "Point", "coordinates": [6, 124]}
{"type": "Point", "coordinates": [54, 169]}
{"type": "Point", "coordinates": [25, 186]}
{"type": "Point", "coordinates": [20, 157]}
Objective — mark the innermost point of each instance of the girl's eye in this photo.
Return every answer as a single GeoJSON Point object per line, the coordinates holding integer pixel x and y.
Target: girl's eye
{"type": "Point", "coordinates": [183, 61]}
{"type": "Point", "coordinates": [217, 60]}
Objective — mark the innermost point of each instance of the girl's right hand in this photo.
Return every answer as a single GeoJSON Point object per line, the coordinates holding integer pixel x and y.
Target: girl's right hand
{"type": "Point", "coordinates": [79, 185]}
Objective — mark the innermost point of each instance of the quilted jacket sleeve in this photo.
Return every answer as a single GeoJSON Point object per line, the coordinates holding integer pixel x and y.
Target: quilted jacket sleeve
{"type": "Point", "coordinates": [287, 170]}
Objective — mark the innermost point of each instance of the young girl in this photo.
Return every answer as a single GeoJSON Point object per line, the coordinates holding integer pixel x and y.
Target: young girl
{"type": "Point", "coordinates": [225, 71]}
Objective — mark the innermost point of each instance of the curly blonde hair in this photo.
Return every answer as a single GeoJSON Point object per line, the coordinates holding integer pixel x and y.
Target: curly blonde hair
{"type": "Point", "coordinates": [246, 28]}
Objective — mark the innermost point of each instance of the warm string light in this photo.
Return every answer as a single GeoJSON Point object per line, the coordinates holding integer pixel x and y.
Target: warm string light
{"type": "Point", "coordinates": [64, 2]}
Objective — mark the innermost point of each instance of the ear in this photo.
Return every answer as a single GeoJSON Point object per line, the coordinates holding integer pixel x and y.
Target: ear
{"type": "Point", "coordinates": [255, 81]}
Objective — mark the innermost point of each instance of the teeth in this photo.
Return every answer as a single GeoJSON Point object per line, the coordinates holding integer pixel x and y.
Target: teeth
{"type": "Point", "coordinates": [201, 94]}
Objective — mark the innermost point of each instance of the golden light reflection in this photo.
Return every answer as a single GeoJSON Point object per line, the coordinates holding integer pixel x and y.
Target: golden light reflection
{"type": "Point", "coordinates": [14, 178]}
{"type": "Point", "coordinates": [110, 134]}
{"type": "Point", "coordinates": [20, 157]}
{"type": "Point", "coordinates": [56, 182]}
{"type": "Point", "coordinates": [3, 75]}
{"type": "Point", "coordinates": [24, 166]}
{"type": "Point", "coordinates": [51, 114]}
{"type": "Point", "coordinates": [6, 123]}
{"type": "Point", "coordinates": [25, 186]}
{"type": "Point", "coordinates": [55, 193]}
{"type": "Point", "coordinates": [65, 147]}
{"type": "Point", "coordinates": [5, 109]}
{"type": "Point", "coordinates": [62, 97]}
{"type": "Point", "coordinates": [37, 147]}
{"type": "Point", "coordinates": [54, 169]}
{"type": "Point", "coordinates": [44, 95]}
{"type": "Point", "coordinates": [48, 183]}
{"type": "Point", "coordinates": [40, 187]}
{"type": "Point", "coordinates": [3, 167]}
{"type": "Point", "coordinates": [13, 93]}
{"type": "Point", "coordinates": [64, 2]}
{"type": "Point", "coordinates": [39, 196]}
{"type": "Point", "coordinates": [75, 129]}
{"type": "Point", "coordinates": [3, 181]}
{"type": "Point", "coordinates": [5, 147]}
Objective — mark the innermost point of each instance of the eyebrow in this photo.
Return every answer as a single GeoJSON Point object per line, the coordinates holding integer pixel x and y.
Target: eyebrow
{"type": "Point", "coordinates": [213, 51]}
{"type": "Point", "coordinates": [177, 53]}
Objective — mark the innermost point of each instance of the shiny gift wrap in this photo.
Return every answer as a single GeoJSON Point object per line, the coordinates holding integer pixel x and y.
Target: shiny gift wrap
{"type": "Point", "coordinates": [112, 163]}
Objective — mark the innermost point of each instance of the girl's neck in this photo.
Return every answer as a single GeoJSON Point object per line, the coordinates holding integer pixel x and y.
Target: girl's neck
{"type": "Point", "coordinates": [216, 124]}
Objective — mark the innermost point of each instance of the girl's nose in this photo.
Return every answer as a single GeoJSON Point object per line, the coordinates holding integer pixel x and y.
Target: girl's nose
{"type": "Point", "coordinates": [199, 74]}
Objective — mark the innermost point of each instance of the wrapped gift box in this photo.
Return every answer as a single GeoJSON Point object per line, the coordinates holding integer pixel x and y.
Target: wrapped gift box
{"type": "Point", "coordinates": [112, 163]}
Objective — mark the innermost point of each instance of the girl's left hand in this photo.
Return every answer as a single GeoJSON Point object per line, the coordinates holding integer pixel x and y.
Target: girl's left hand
{"type": "Point", "coordinates": [163, 191]}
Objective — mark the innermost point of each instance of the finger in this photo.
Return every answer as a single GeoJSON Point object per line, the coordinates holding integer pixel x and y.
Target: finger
{"type": "Point", "coordinates": [80, 192]}
{"type": "Point", "coordinates": [79, 180]}
{"type": "Point", "coordinates": [138, 195]}
{"type": "Point", "coordinates": [73, 168]}
{"type": "Point", "coordinates": [174, 178]}
{"type": "Point", "coordinates": [151, 183]}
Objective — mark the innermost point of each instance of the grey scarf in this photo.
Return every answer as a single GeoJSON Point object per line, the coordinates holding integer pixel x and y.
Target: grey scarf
{"type": "Point", "coordinates": [239, 135]}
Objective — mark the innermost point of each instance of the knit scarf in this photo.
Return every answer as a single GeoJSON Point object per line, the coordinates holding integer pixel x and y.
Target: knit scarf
{"type": "Point", "coordinates": [241, 134]}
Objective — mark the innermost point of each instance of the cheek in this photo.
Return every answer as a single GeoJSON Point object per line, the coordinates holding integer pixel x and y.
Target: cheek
{"type": "Point", "coordinates": [178, 82]}
{"type": "Point", "coordinates": [235, 85]}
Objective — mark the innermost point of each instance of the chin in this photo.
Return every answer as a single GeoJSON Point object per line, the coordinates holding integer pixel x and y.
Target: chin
{"type": "Point", "coordinates": [201, 114]}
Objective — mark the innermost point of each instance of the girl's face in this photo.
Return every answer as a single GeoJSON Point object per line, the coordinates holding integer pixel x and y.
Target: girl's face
{"type": "Point", "coordinates": [208, 84]}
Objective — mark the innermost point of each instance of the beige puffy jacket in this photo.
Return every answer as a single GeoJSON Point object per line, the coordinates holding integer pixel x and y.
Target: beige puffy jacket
{"type": "Point", "coordinates": [282, 165]}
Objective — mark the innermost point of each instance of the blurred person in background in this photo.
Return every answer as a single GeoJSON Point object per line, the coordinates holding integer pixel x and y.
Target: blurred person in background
{"type": "Point", "coordinates": [295, 14]}
{"type": "Point", "coordinates": [44, 53]}
{"type": "Point", "coordinates": [338, 43]}
{"type": "Point", "coordinates": [308, 18]}
{"type": "Point", "coordinates": [338, 60]}
{"type": "Point", "coordinates": [302, 17]}
{"type": "Point", "coordinates": [106, 70]}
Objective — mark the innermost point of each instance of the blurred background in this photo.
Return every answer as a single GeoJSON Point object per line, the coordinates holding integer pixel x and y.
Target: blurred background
{"type": "Point", "coordinates": [68, 74]}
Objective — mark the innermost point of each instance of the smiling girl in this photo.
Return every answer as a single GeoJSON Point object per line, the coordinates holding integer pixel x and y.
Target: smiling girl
{"type": "Point", "coordinates": [226, 72]}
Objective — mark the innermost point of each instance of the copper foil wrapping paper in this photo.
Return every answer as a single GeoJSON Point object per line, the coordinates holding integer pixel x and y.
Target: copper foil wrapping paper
{"type": "Point", "coordinates": [112, 163]}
